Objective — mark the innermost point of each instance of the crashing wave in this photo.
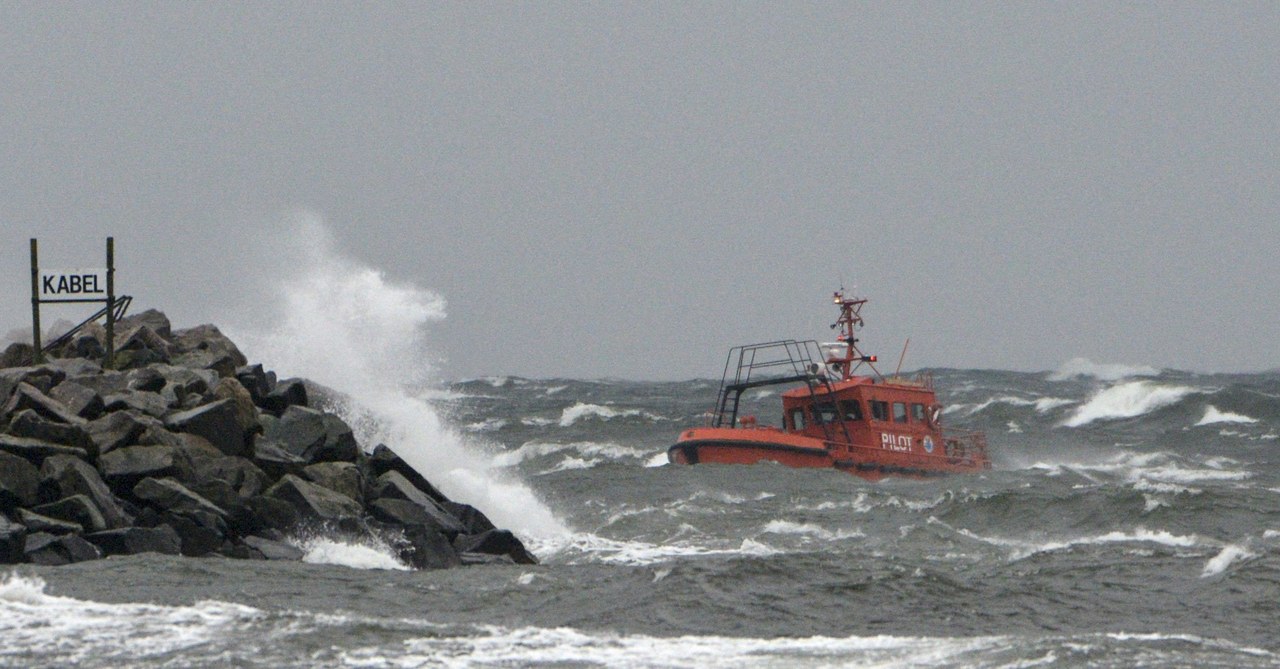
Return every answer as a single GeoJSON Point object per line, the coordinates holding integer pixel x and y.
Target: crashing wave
{"type": "Point", "coordinates": [1127, 400]}
{"type": "Point", "coordinates": [1076, 367]}
{"type": "Point", "coordinates": [1212, 415]}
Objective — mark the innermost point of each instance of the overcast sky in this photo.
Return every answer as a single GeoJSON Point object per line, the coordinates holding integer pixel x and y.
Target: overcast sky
{"type": "Point", "coordinates": [628, 189]}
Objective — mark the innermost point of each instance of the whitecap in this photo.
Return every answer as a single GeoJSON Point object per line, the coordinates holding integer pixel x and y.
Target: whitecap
{"type": "Point", "coordinates": [364, 553]}
{"type": "Point", "coordinates": [1102, 371]}
{"type": "Point", "coordinates": [1213, 416]}
{"type": "Point", "coordinates": [584, 410]}
{"type": "Point", "coordinates": [1229, 554]}
{"type": "Point", "coordinates": [1127, 400]}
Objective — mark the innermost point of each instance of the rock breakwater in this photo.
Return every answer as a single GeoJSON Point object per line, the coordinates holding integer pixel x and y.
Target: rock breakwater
{"type": "Point", "coordinates": [186, 448]}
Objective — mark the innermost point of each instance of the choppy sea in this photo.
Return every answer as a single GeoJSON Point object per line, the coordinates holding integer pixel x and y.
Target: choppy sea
{"type": "Point", "coordinates": [1132, 519]}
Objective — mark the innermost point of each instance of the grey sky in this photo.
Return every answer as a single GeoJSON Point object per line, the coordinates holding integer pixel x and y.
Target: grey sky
{"type": "Point", "coordinates": [627, 189]}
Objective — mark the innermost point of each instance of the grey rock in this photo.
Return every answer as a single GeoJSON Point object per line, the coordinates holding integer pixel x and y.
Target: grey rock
{"type": "Point", "coordinates": [429, 549]}
{"type": "Point", "coordinates": [241, 475]}
{"type": "Point", "coordinates": [340, 477]}
{"type": "Point", "coordinates": [125, 467]}
{"type": "Point", "coordinates": [46, 549]}
{"type": "Point", "coordinates": [313, 501]}
{"type": "Point", "coordinates": [145, 379]}
{"type": "Point", "coordinates": [115, 430]}
{"type": "Point", "coordinates": [393, 485]}
{"type": "Point", "coordinates": [473, 521]}
{"type": "Point", "coordinates": [79, 399]}
{"type": "Point", "coordinates": [19, 482]}
{"type": "Point", "coordinates": [28, 423]}
{"type": "Point", "coordinates": [272, 457]}
{"type": "Point", "coordinates": [285, 394]}
{"type": "Point", "coordinates": [149, 403]}
{"type": "Point", "coordinates": [13, 537]}
{"type": "Point", "coordinates": [27, 396]}
{"type": "Point", "coordinates": [300, 432]}
{"type": "Point", "coordinates": [35, 522]}
{"type": "Point", "coordinates": [495, 542]}
{"type": "Point", "coordinates": [64, 476]}
{"type": "Point", "coordinates": [261, 514]}
{"type": "Point", "coordinates": [273, 550]}
{"type": "Point", "coordinates": [134, 540]}
{"type": "Point", "coordinates": [36, 450]}
{"type": "Point", "coordinates": [173, 497]}
{"type": "Point", "coordinates": [216, 422]}
{"type": "Point", "coordinates": [42, 377]}
{"type": "Point", "coordinates": [155, 320]}
{"type": "Point", "coordinates": [383, 460]}
{"type": "Point", "coordinates": [77, 509]}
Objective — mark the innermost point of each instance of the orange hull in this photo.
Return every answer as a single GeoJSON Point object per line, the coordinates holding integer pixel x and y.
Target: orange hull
{"type": "Point", "coordinates": [748, 446]}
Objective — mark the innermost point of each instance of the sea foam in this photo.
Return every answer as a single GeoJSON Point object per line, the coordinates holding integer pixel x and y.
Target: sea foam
{"type": "Point", "coordinates": [344, 325]}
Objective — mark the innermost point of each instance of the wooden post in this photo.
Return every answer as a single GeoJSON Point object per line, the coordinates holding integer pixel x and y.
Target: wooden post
{"type": "Point", "coordinates": [36, 342]}
{"type": "Point", "coordinates": [110, 360]}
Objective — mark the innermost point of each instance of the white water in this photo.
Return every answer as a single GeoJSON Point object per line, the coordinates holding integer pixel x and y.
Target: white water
{"type": "Point", "coordinates": [1101, 371]}
{"type": "Point", "coordinates": [344, 325]}
{"type": "Point", "coordinates": [1212, 416]}
{"type": "Point", "coordinates": [1126, 400]}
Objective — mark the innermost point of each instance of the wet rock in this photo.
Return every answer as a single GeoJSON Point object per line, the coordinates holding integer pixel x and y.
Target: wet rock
{"type": "Point", "coordinates": [341, 477]}
{"type": "Point", "coordinates": [173, 497]}
{"type": "Point", "coordinates": [198, 533]}
{"type": "Point", "coordinates": [76, 509]}
{"type": "Point", "coordinates": [300, 431]}
{"type": "Point", "coordinates": [115, 430]}
{"type": "Point", "coordinates": [155, 320]}
{"type": "Point", "coordinates": [19, 482]}
{"type": "Point", "coordinates": [246, 413]}
{"type": "Point", "coordinates": [27, 396]}
{"type": "Point", "coordinates": [35, 522]}
{"type": "Point", "coordinates": [287, 393]}
{"type": "Point", "coordinates": [254, 379]}
{"type": "Point", "coordinates": [135, 540]}
{"type": "Point", "coordinates": [272, 457]}
{"type": "Point", "coordinates": [17, 354]}
{"type": "Point", "coordinates": [42, 377]}
{"type": "Point", "coordinates": [383, 460]}
{"type": "Point", "coordinates": [13, 537]}
{"type": "Point", "coordinates": [46, 549]}
{"type": "Point", "coordinates": [273, 550]}
{"type": "Point", "coordinates": [313, 501]}
{"type": "Point", "coordinates": [393, 485]}
{"type": "Point", "coordinates": [64, 476]}
{"type": "Point", "coordinates": [429, 549]}
{"type": "Point", "coordinates": [240, 474]}
{"type": "Point", "coordinates": [216, 422]}
{"type": "Point", "coordinates": [260, 515]}
{"type": "Point", "coordinates": [473, 521]}
{"type": "Point", "coordinates": [125, 467]}
{"type": "Point", "coordinates": [36, 450]}
{"type": "Point", "coordinates": [495, 542]}
{"type": "Point", "coordinates": [28, 423]}
{"type": "Point", "coordinates": [79, 399]}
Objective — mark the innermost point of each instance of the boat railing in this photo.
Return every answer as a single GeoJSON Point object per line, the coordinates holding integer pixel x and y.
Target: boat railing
{"type": "Point", "coordinates": [785, 361]}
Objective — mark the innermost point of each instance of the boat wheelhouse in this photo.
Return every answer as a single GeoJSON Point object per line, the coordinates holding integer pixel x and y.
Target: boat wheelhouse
{"type": "Point", "coordinates": [869, 425]}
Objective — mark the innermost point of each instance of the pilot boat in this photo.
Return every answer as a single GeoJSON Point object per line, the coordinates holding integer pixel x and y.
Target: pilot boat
{"type": "Point", "coordinates": [832, 416]}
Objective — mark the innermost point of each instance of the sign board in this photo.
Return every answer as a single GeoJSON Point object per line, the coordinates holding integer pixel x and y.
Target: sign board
{"type": "Point", "coordinates": [73, 284]}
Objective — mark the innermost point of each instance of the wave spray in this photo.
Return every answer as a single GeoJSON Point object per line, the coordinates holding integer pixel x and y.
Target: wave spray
{"type": "Point", "coordinates": [343, 325]}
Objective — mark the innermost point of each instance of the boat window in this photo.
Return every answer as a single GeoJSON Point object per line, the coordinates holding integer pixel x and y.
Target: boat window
{"type": "Point", "coordinates": [899, 412]}
{"type": "Point", "coordinates": [879, 410]}
{"type": "Point", "coordinates": [852, 409]}
{"type": "Point", "coordinates": [824, 413]}
{"type": "Point", "coordinates": [917, 412]}
{"type": "Point", "coordinates": [797, 418]}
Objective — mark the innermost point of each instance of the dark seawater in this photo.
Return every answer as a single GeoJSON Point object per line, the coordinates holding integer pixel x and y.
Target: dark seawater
{"type": "Point", "coordinates": [1132, 520]}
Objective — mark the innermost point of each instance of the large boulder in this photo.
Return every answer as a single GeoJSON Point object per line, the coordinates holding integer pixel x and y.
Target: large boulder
{"type": "Point", "coordinates": [36, 450]}
{"type": "Point", "coordinates": [494, 542]}
{"type": "Point", "coordinates": [286, 393]}
{"type": "Point", "coordinates": [151, 318]}
{"type": "Point", "coordinates": [246, 412]}
{"type": "Point", "coordinates": [27, 396]}
{"type": "Point", "coordinates": [243, 477]}
{"type": "Point", "coordinates": [19, 482]}
{"type": "Point", "coordinates": [173, 497]}
{"type": "Point", "coordinates": [142, 401]}
{"type": "Point", "coordinates": [35, 522]}
{"type": "Point", "coordinates": [428, 549]}
{"type": "Point", "coordinates": [313, 436]}
{"type": "Point", "coordinates": [276, 460]}
{"type": "Point", "coordinates": [115, 430]}
{"type": "Point", "coordinates": [273, 550]}
{"type": "Point", "coordinates": [264, 516]}
{"type": "Point", "coordinates": [394, 486]}
{"type": "Point", "coordinates": [256, 381]}
{"type": "Point", "coordinates": [64, 476]}
{"type": "Point", "coordinates": [340, 477]}
{"type": "Point", "coordinates": [51, 550]}
{"type": "Point", "coordinates": [383, 460]}
{"type": "Point", "coordinates": [315, 502]}
{"type": "Point", "coordinates": [76, 509]}
{"type": "Point", "coordinates": [17, 354]}
{"type": "Point", "coordinates": [42, 377]}
{"type": "Point", "coordinates": [205, 347]}
{"type": "Point", "coordinates": [79, 399]}
{"type": "Point", "coordinates": [125, 467]}
{"type": "Point", "coordinates": [217, 422]}
{"type": "Point", "coordinates": [134, 540]}
{"type": "Point", "coordinates": [28, 423]}
{"type": "Point", "coordinates": [13, 537]}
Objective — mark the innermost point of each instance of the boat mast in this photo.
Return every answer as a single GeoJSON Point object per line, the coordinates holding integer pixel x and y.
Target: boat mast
{"type": "Point", "coordinates": [849, 321]}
